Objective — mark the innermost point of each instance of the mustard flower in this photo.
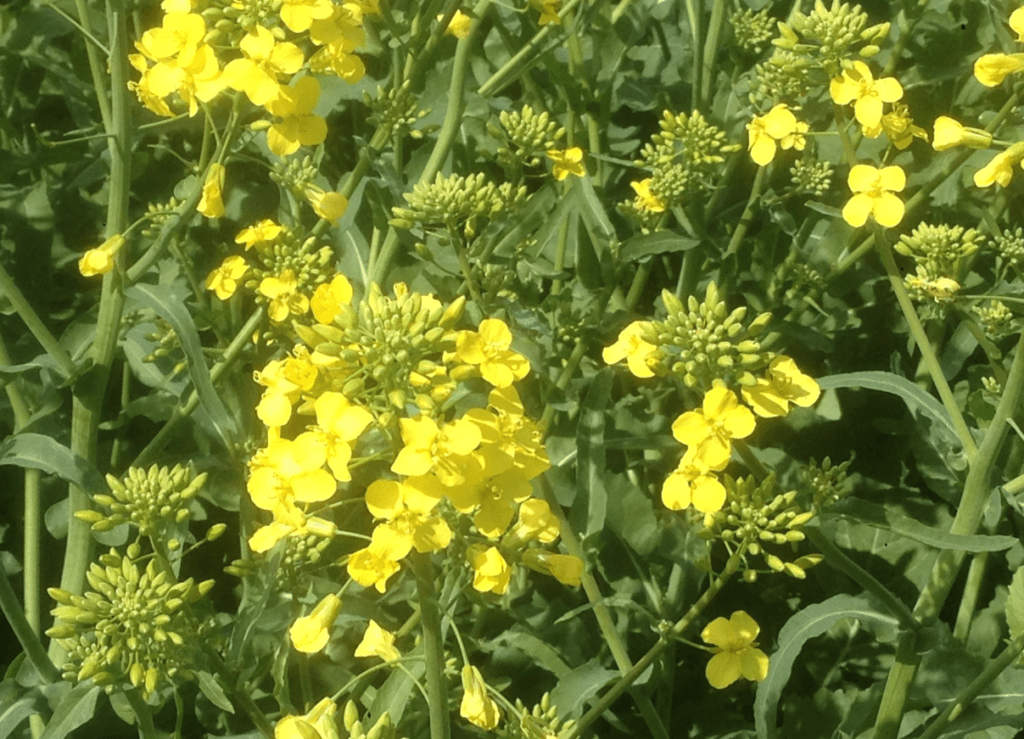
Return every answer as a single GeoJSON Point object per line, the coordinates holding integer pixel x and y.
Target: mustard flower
{"type": "Point", "coordinates": [639, 355]}
{"type": "Point", "coordinates": [299, 15]}
{"type": "Point", "coordinates": [199, 79]}
{"type": "Point", "coordinates": [288, 521]}
{"type": "Point", "coordinates": [785, 384]}
{"type": "Point", "coordinates": [340, 424]}
{"type": "Point", "coordinates": [736, 652]}
{"type": "Point", "coordinates": [290, 471]}
{"type": "Point", "coordinates": [536, 523]}
{"type": "Point", "coordinates": [710, 430]}
{"type": "Point", "coordinates": [898, 127]}
{"type": "Point", "coordinates": [488, 349]}
{"type": "Point", "coordinates": [375, 564]}
{"type": "Point", "coordinates": [328, 205]}
{"type": "Point", "coordinates": [692, 483]}
{"type": "Point", "coordinates": [493, 499]}
{"type": "Point", "coordinates": [100, 260]}
{"type": "Point", "coordinates": [1000, 169]}
{"type": "Point", "coordinates": [1017, 23]}
{"type": "Point", "coordinates": [329, 297]}
{"type": "Point", "coordinates": [873, 190]}
{"type": "Point", "coordinates": [950, 133]}
{"type": "Point", "coordinates": [477, 707]}
{"type": "Point", "coordinates": [319, 723]}
{"type": "Point", "coordinates": [459, 25]}
{"type": "Point", "coordinates": [178, 38]}
{"type": "Point", "coordinates": [256, 74]}
{"type": "Point", "coordinates": [339, 36]}
{"type": "Point", "coordinates": [284, 295]}
{"type": "Point", "coordinates": [778, 127]}
{"type": "Point", "coordinates": [285, 381]}
{"type": "Point", "coordinates": [297, 126]}
{"type": "Point", "coordinates": [408, 509]}
{"type": "Point", "coordinates": [310, 633]}
{"type": "Point", "coordinates": [262, 233]}
{"type": "Point", "coordinates": [548, 10]}
{"type": "Point", "coordinates": [647, 199]}
{"type": "Point", "coordinates": [858, 86]}
{"type": "Point", "coordinates": [565, 568]}
{"type": "Point", "coordinates": [491, 573]}
{"type": "Point", "coordinates": [443, 449]}
{"type": "Point", "coordinates": [377, 642]}
{"type": "Point", "coordinates": [991, 69]}
{"type": "Point", "coordinates": [567, 162]}
{"type": "Point", "coordinates": [211, 204]}
{"type": "Point", "coordinates": [224, 280]}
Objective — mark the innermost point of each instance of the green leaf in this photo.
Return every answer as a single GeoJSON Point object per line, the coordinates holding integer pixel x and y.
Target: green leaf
{"type": "Point", "coordinates": [659, 242]}
{"type": "Point", "coordinates": [44, 453]}
{"type": "Point", "coordinates": [211, 688]}
{"type": "Point", "coordinates": [804, 625]}
{"type": "Point", "coordinates": [15, 713]}
{"type": "Point", "coordinates": [75, 709]}
{"type": "Point", "coordinates": [1015, 604]}
{"type": "Point", "coordinates": [911, 394]}
{"type": "Point", "coordinates": [542, 653]}
{"type": "Point", "coordinates": [590, 506]}
{"type": "Point", "coordinates": [854, 509]}
{"type": "Point", "coordinates": [162, 301]}
{"type": "Point", "coordinates": [579, 686]}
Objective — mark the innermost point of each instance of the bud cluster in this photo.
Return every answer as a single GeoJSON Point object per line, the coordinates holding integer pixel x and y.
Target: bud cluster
{"type": "Point", "coordinates": [939, 250]}
{"type": "Point", "coordinates": [752, 30]}
{"type": "Point", "coordinates": [166, 339]}
{"type": "Point", "coordinates": [133, 624]}
{"type": "Point", "coordinates": [157, 215]}
{"type": "Point", "coordinates": [382, 729]}
{"type": "Point", "coordinates": [300, 557]}
{"type": "Point", "coordinates": [1009, 245]}
{"type": "Point", "coordinates": [831, 33]}
{"type": "Point", "coordinates": [540, 722]}
{"type": "Point", "coordinates": [286, 254]}
{"type": "Point", "coordinates": [526, 135]}
{"type": "Point", "coordinates": [996, 320]}
{"type": "Point", "coordinates": [395, 110]}
{"type": "Point", "coordinates": [827, 482]}
{"type": "Point", "coordinates": [811, 177]}
{"type": "Point", "coordinates": [783, 78]}
{"type": "Point", "coordinates": [703, 341]}
{"type": "Point", "coordinates": [230, 21]}
{"type": "Point", "coordinates": [759, 517]}
{"type": "Point", "coordinates": [152, 499]}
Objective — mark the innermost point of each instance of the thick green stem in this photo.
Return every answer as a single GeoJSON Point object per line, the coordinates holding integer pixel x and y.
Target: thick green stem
{"type": "Point", "coordinates": [969, 601]}
{"type": "Point", "coordinates": [748, 213]}
{"type": "Point", "coordinates": [28, 638]}
{"type": "Point", "coordinates": [711, 49]}
{"type": "Point", "coordinates": [143, 714]}
{"type": "Point", "coordinates": [96, 66]}
{"type": "Point", "coordinates": [694, 13]}
{"type": "Point", "coordinates": [433, 647]}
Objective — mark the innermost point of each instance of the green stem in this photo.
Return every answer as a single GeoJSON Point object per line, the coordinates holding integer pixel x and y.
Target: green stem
{"type": "Point", "coordinates": [143, 713]}
{"type": "Point", "coordinates": [693, 15]}
{"type": "Point", "coordinates": [748, 213]}
{"type": "Point", "coordinates": [28, 638]}
{"type": "Point", "coordinates": [969, 600]}
{"type": "Point", "coordinates": [711, 49]}
{"type": "Point", "coordinates": [96, 65]}
{"type": "Point", "coordinates": [433, 647]}
{"type": "Point", "coordinates": [35, 324]}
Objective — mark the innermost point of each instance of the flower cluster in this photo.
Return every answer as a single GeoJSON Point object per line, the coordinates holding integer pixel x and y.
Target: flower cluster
{"type": "Point", "coordinates": [542, 721]}
{"type": "Point", "coordinates": [939, 251]}
{"type": "Point", "coordinates": [525, 135]}
{"type": "Point", "coordinates": [829, 34]}
{"type": "Point", "coordinates": [778, 127]}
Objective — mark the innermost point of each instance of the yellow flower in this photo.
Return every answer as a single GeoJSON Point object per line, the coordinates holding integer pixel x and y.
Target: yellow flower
{"type": "Point", "coordinates": [263, 232]}
{"type": "Point", "coordinates": [785, 384]}
{"type": "Point", "coordinates": [178, 38]}
{"type": "Point", "coordinates": [211, 204]}
{"type": "Point", "coordinates": [297, 125]}
{"type": "Point", "coordinates": [329, 297]}
{"type": "Point", "coordinates": [288, 521]}
{"type": "Point", "coordinates": [493, 498]}
{"type": "Point", "coordinates": [548, 10]}
{"type": "Point", "coordinates": [340, 424]}
{"type": "Point", "coordinates": [693, 483]}
{"type": "Point", "coordinates": [949, 133]}
{"type": "Point", "coordinates": [100, 260]}
{"type": "Point", "coordinates": [567, 162]}
{"type": "Point", "coordinates": [1017, 23]}
{"type": "Point", "coordinates": [1000, 169]}
{"type": "Point", "coordinates": [299, 15]}
{"type": "Point", "coordinates": [310, 633]}
{"type": "Point", "coordinates": [898, 127]}
{"type": "Point", "coordinates": [491, 573]}
{"type": "Point", "coordinates": [339, 36]}
{"type": "Point", "coordinates": [991, 69]}
{"type": "Point", "coordinates": [858, 85]}
{"type": "Point", "coordinates": [536, 523]}
{"type": "Point", "coordinates": [777, 125]}
{"type": "Point", "coordinates": [319, 723]}
{"type": "Point", "coordinates": [736, 652]}
{"type": "Point", "coordinates": [285, 299]}
{"type": "Point", "coordinates": [873, 190]}
{"type": "Point", "coordinates": [710, 430]}
{"type": "Point", "coordinates": [477, 707]}
{"type": "Point", "coordinates": [408, 509]}
{"type": "Point", "coordinates": [224, 279]}
{"type": "Point", "coordinates": [444, 449]}
{"type": "Point", "coordinates": [285, 381]}
{"type": "Point", "coordinates": [375, 564]}
{"type": "Point", "coordinates": [459, 25]}
{"type": "Point", "coordinates": [647, 199]}
{"type": "Point", "coordinates": [639, 355]}
{"type": "Point", "coordinates": [256, 75]}
{"type": "Point", "coordinates": [488, 348]}
{"type": "Point", "coordinates": [328, 205]}
{"type": "Point", "coordinates": [291, 471]}
{"type": "Point", "coordinates": [377, 642]}
{"type": "Point", "coordinates": [563, 567]}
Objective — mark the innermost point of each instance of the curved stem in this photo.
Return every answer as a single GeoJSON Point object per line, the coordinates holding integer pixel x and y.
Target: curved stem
{"type": "Point", "coordinates": [23, 631]}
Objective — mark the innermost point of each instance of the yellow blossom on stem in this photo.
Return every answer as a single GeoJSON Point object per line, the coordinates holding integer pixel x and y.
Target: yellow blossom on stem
{"type": "Point", "coordinates": [285, 298]}
{"type": "Point", "coordinates": [211, 204]}
{"type": "Point", "coordinates": [264, 231]}
{"type": "Point", "coordinates": [859, 87]}
{"type": "Point", "coordinates": [778, 127]}
{"type": "Point", "coordinates": [224, 280]}
{"type": "Point", "coordinates": [736, 652]}
{"type": "Point", "coordinates": [477, 707]}
{"type": "Point", "coordinates": [536, 523]}
{"type": "Point", "coordinates": [299, 15]}
{"type": "Point", "coordinates": [493, 499]}
{"type": "Point", "coordinates": [647, 199]}
{"type": "Point", "coordinates": [1000, 169]}
{"type": "Point", "coordinates": [441, 449]}
{"type": "Point", "coordinates": [567, 162]}
{"type": "Point", "coordinates": [310, 633]}
{"type": "Point", "coordinates": [710, 430]}
{"type": "Point", "coordinates": [178, 38]}
{"type": "Point", "coordinates": [100, 260]}
{"type": "Point", "coordinates": [377, 642]}
{"type": "Point", "coordinates": [291, 471]}
{"type": "Point", "coordinates": [873, 190]}
{"type": "Point", "coordinates": [785, 384]}
{"type": "Point", "coordinates": [265, 59]}
{"type": "Point", "coordinates": [297, 126]}
{"type": "Point", "coordinates": [285, 381]}
{"type": "Point", "coordinates": [329, 297]}
{"type": "Point", "coordinates": [340, 424]}
{"type": "Point", "coordinates": [548, 10]}
{"type": "Point", "coordinates": [328, 205]}
{"type": "Point", "coordinates": [1017, 23]}
{"type": "Point", "coordinates": [289, 520]}
{"type": "Point", "coordinates": [459, 25]}
{"type": "Point", "coordinates": [898, 127]}
{"type": "Point", "coordinates": [491, 573]}
{"type": "Point", "coordinates": [488, 349]}
{"type": "Point", "coordinates": [991, 69]}
{"type": "Point", "coordinates": [375, 564]}
{"type": "Point", "coordinates": [408, 509]}
{"type": "Point", "coordinates": [563, 567]}
{"type": "Point", "coordinates": [640, 356]}
{"type": "Point", "coordinates": [950, 133]}
{"type": "Point", "coordinates": [339, 36]}
{"type": "Point", "coordinates": [319, 723]}
{"type": "Point", "coordinates": [693, 483]}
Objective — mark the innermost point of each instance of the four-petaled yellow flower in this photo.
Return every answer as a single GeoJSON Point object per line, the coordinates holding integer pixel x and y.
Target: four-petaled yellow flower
{"type": "Point", "coordinates": [310, 633]}
{"type": "Point", "coordinates": [950, 133]}
{"type": "Point", "coordinates": [211, 204]}
{"type": "Point", "coordinates": [777, 127]}
{"type": "Point", "coordinates": [297, 125]}
{"type": "Point", "coordinates": [459, 25]}
{"type": "Point", "coordinates": [640, 356]}
{"type": "Point", "coordinates": [264, 231]}
{"type": "Point", "coordinates": [284, 295]}
{"type": "Point", "coordinates": [340, 424]}
{"type": "Point", "coordinates": [785, 384]}
{"type": "Point", "coordinates": [329, 297]}
{"type": "Point", "coordinates": [375, 564]}
{"type": "Point", "coordinates": [377, 642]}
{"type": "Point", "coordinates": [1017, 23]}
{"type": "Point", "coordinates": [567, 162]}
{"type": "Point", "coordinates": [491, 573]}
{"type": "Point", "coordinates": [736, 652]}
{"type": "Point", "coordinates": [224, 280]}
{"type": "Point", "coordinates": [477, 707]}
{"type": "Point", "coordinates": [898, 127]}
{"type": "Point", "coordinates": [299, 15]}
{"type": "Point", "coordinates": [1000, 169]}
{"type": "Point", "coordinates": [873, 190]}
{"type": "Point", "coordinates": [256, 74]}
{"type": "Point", "coordinates": [991, 69]}
{"type": "Point", "coordinates": [488, 349]}
{"type": "Point", "coordinates": [565, 568]}
{"type": "Point", "coordinates": [100, 260]}
{"type": "Point", "coordinates": [647, 199]}
{"type": "Point", "coordinates": [408, 509]}
{"type": "Point", "coordinates": [710, 430]}
{"type": "Point", "coordinates": [441, 449]}
{"type": "Point", "coordinates": [859, 85]}
{"type": "Point", "coordinates": [319, 723]}
{"type": "Point", "coordinates": [693, 483]}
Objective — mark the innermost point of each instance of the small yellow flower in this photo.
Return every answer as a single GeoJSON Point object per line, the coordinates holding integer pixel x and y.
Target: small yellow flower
{"type": "Point", "coordinates": [297, 125]}
{"type": "Point", "coordinates": [441, 449]}
{"type": "Point", "coordinates": [548, 11]}
{"type": "Point", "coordinates": [328, 205]}
{"type": "Point", "coordinates": [785, 384]}
{"type": "Point", "coordinates": [693, 483]}
{"type": "Point", "coordinates": [375, 564]}
{"type": "Point", "coordinates": [299, 15]}
{"type": "Point", "coordinates": [377, 642]}
{"type": "Point", "coordinates": [100, 260]}
{"type": "Point", "coordinates": [319, 723]}
{"type": "Point", "coordinates": [477, 707]}
{"type": "Point", "coordinates": [265, 59]}
{"type": "Point", "coordinates": [647, 199]}
{"type": "Point", "coordinates": [639, 355]}
{"type": "Point", "coordinates": [778, 127]}
{"type": "Point", "coordinates": [211, 204]}
{"type": "Point", "coordinates": [491, 573]}
{"type": "Point", "coordinates": [991, 69]}
{"type": "Point", "coordinates": [1017, 23]}
{"type": "Point", "coordinates": [329, 297]}
{"type": "Point", "coordinates": [459, 25]}
{"type": "Point", "coordinates": [285, 298]}
{"type": "Point", "coordinates": [224, 280]}
{"type": "Point", "coordinates": [859, 85]}
{"type": "Point", "coordinates": [1000, 169]}
{"type": "Point", "coordinates": [950, 133]}
{"type": "Point", "coordinates": [736, 652]}
{"type": "Point", "coordinates": [873, 190]}
{"type": "Point", "coordinates": [263, 232]}
{"type": "Point", "coordinates": [310, 633]}
{"type": "Point", "coordinates": [898, 127]}
{"type": "Point", "coordinates": [563, 567]}
{"type": "Point", "coordinates": [488, 349]}
{"type": "Point", "coordinates": [567, 162]}
{"type": "Point", "coordinates": [710, 430]}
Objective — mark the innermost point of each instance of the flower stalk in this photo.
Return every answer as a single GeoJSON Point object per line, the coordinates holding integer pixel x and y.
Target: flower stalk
{"type": "Point", "coordinates": [433, 647]}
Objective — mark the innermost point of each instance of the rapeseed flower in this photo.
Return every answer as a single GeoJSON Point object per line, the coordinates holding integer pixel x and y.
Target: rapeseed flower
{"type": "Point", "coordinates": [291, 471]}
{"type": "Point", "coordinates": [565, 568]}
{"type": "Point", "coordinates": [950, 133]}
{"type": "Point", "coordinates": [736, 652]}
{"type": "Point", "coordinates": [548, 10]}
{"type": "Point", "coordinates": [297, 126]}
{"type": "Point", "coordinates": [491, 573]}
{"type": "Point", "coordinates": [1017, 23]}
{"type": "Point", "coordinates": [224, 280]}
{"type": "Point", "coordinates": [1000, 169]}
{"type": "Point", "coordinates": [873, 190]}
{"type": "Point", "coordinates": [991, 69]}
{"type": "Point", "coordinates": [211, 204]}
{"type": "Point", "coordinates": [283, 293]}
{"type": "Point", "coordinates": [710, 430]}
{"type": "Point", "coordinates": [859, 87]}
{"type": "Point", "coordinates": [329, 297]}
{"type": "Point", "coordinates": [265, 59]}
{"type": "Point", "coordinates": [299, 15]}
{"type": "Point", "coordinates": [692, 483]}
{"type": "Point", "coordinates": [178, 38]}
{"type": "Point", "coordinates": [536, 523]}
{"type": "Point", "coordinates": [898, 127]}
{"type": "Point", "coordinates": [408, 509]}
{"type": "Point", "coordinates": [459, 25]}
{"type": "Point", "coordinates": [375, 564]}
{"type": "Point", "coordinates": [377, 642]}
{"type": "Point", "coordinates": [310, 633]}
{"type": "Point", "coordinates": [328, 205]}
{"type": "Point", "coordinates": [443, 449]}
{"type": "Point", "coordinates": [640, 356]}
{"type": "Point", "coordinates": [319, 723]}
{"type": "Point", "coordinates": [262, 233]}
{"type": "Point", "coordinates": [785, 384]}
{"type": "Point", "coordinates": [285, 380]}
{"type": "Point", "coordinates": [647, 199]}
{"type": "Point", "coordinates": [476, 706]}
{"type": "Point", "coordinates": [567, 162]}
{"type": "Point", "coordinates": [100, 260]}
{"type": "Point", "coordinates": [339, 424]}
{"type": "Point", "coordinates": [488, 349]}
{"type": "Point", "coordinates": [777, 127]}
